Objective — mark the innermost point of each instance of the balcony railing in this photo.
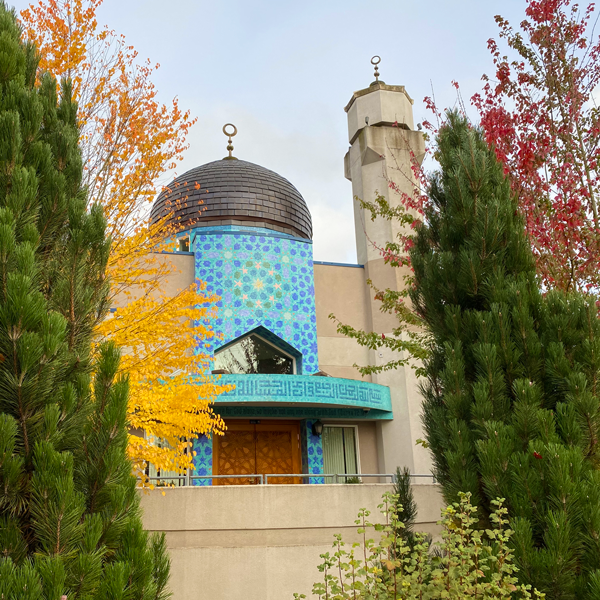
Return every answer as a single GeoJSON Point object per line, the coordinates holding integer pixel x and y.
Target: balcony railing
{"type": "Point", "coordinates": [263, 479]}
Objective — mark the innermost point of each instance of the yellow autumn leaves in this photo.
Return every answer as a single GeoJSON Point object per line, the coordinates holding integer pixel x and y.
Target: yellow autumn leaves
{"type": "Point", "coordinates": [129, 140]}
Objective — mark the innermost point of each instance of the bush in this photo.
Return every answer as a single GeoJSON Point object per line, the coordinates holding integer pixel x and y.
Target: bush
{"type": "Point", "coordinates": [468, 563]}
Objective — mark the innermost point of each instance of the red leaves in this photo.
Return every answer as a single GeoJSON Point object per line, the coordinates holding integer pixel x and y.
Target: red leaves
{"type": "Point", "coordinates": [427, 125]}
{"type": "Point", "coordinates": [540, 121]}
{"type": "Point", "coordinates": [544, 10]}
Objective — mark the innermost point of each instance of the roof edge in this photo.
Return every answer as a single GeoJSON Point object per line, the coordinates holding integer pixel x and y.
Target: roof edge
{"type": "Point", "coordinates": [375, 86]}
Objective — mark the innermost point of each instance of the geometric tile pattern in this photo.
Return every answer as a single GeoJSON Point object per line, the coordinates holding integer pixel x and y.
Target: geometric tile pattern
{"type": "Point", "coordinates": [312, 452]}
{"type": "Point", "coordinates": [263, 280]}
{"type": "Point", "coordinates": [203, 461]}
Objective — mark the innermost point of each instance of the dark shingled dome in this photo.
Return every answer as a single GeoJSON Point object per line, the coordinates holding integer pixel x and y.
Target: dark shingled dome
{"type": "Point", "coordinates": [235, 192]}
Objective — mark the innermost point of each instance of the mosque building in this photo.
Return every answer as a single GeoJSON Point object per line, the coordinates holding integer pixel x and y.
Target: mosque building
{"type": "Point", "coordinates": [300, 412]}
{"type": "Point", "coordinates": [299, 406]}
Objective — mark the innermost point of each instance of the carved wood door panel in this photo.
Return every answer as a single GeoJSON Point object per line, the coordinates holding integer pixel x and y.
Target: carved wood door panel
{"type": "Point", "coordinates": [263, 447]}
{"type": "Point", "coordinates": [236, 456]}
{"type": "Point", "coordinates": [277, 452]}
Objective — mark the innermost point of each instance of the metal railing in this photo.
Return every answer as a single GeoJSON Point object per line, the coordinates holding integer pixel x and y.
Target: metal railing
{"type": "Point", "coordinates": [345, 476]}
{"type": "Point", "coordinates": [303, 475]}
{"type": "Point", "coordinates": [258, 476]}
{"type": "Point", "coordinates": [263, 479]}
{"type": "Point", "coordinates": [189, 478]}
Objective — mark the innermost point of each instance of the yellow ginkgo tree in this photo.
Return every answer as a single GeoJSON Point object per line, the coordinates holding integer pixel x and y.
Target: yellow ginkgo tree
{"type": "Point", "coordinates": [129, 141]}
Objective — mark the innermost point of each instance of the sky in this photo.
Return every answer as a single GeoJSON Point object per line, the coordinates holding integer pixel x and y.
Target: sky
{"type": "Point", "coordinates": [283, 71]}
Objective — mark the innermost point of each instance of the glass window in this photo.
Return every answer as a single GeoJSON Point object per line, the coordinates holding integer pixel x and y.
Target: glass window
{"type": "Point", "coordinates": [252, 354]}
{"type": "Point", "coordinates": [184, 244]}
{"type": "Point", "coordinates": [339, 451]}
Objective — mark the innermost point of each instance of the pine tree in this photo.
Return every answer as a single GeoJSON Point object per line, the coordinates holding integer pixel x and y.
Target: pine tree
{"type": "Point", "coordinates": [406, 507]}
{"type": "Point", "coordinates": [512, 402]}
{"type": "Point", "coordinates": [69, 511]}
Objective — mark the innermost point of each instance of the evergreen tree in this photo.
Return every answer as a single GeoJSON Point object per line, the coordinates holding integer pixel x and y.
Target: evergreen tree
{"type": "Point", "coordinates": [512, 395]}
{"type": "Point", "coordinates": [406, 507]}
{"type": "Point", "coordinates": [69, 511]}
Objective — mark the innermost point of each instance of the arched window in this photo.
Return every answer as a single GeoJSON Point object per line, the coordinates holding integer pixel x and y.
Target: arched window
{"type": "Point", "coordinates": [253, 354]}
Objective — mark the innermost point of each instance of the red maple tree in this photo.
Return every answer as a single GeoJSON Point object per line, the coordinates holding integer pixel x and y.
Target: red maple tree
{"type": "Point", "coordinates": [540, 114]}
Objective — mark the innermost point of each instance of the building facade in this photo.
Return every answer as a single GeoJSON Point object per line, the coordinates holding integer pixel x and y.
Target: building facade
{"type": "Point", "coordinates": [266, 497]}
{"type": "Point", "coordinates": [300, 412]}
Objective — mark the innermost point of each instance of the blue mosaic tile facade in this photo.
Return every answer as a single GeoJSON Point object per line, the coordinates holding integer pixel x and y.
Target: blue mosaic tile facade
{"type": "Point", "coordinates": [312, 452]}
{"type": "Point", "coordinates": [263, 280]}
{"type": "Point", "coordinates": [266, 284]}
{"type": "Point", "coordinates": [235, 229]}
{"type": "Point", "coordinates": [203, 460]}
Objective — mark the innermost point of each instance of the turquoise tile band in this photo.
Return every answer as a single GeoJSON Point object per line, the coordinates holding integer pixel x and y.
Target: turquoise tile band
{"type": "Point", "coordinates": [306, 390]}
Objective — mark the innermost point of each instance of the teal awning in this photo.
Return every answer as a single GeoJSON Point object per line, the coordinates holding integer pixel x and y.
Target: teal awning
{"type": "Point", "coordinates": [369, 400]}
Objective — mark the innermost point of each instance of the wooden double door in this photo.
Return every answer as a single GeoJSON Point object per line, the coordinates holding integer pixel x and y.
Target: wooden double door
{"type": "Point", "coordinates": [257, 447]}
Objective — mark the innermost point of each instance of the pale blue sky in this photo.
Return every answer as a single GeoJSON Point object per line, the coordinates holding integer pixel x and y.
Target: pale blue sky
{"type": "Point", "coordinates": [283, 72]}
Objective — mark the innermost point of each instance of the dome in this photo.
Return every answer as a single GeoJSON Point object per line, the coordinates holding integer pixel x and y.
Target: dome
{"type": "Point", "coordinates": [234, 192]}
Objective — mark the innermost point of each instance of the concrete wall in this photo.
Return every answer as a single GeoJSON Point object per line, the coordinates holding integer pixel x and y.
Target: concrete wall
{"type": "Point", "coordinates": [342, 291]}
{"type": "Point", "coordinates": [178, 269]}
{"type": "Point", "coordinates": [262, 542]}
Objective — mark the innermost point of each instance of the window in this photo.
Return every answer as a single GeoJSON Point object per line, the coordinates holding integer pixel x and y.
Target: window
{"type": "Point", "coordinates": [184, 244]}
{"type": "Point", "coordinates": [252, 354]}
{"type": "Point", "coordinates": [158, 477]}
{"type": "Point", "coordinates": [339, 450]}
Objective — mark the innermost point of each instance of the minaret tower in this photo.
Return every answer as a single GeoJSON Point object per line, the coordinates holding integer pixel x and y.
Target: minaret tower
{"type": "Point", "coordinates": [382, 138]}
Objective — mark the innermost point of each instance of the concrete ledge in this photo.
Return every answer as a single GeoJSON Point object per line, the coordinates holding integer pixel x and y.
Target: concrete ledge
{"type": "Point", "coordinates": [273, 507]}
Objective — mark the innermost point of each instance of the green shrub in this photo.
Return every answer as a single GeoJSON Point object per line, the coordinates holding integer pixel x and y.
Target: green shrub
{"type": "Point", "coordinates": [467, 563]}
{"type": "Point", "coordinates": [353, 480]}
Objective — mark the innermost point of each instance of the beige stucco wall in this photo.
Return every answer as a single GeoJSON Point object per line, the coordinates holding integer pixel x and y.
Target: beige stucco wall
{"type": "Point", "coordinates": [340, 290]}
{"type": "Point", "coordinates": [261, 542]}
{"type": "Point", "coordinates": [179, 275]}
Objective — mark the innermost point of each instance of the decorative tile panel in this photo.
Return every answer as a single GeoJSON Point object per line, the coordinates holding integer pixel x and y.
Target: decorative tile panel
{"type": "Point", "coordinates": [263, 281]}
{"type": "Point", "coordinates": [203, 461]}
{"type": "Point", "coordinates": [238, 230]}
{"type": "Point", "coordinates": [307, 390]}
{"type": "Point", "coordinates": [312, 452]}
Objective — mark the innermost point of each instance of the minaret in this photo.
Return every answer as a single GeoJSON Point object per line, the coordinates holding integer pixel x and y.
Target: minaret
{"type": "Point", "coordinates": [382, 135]}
